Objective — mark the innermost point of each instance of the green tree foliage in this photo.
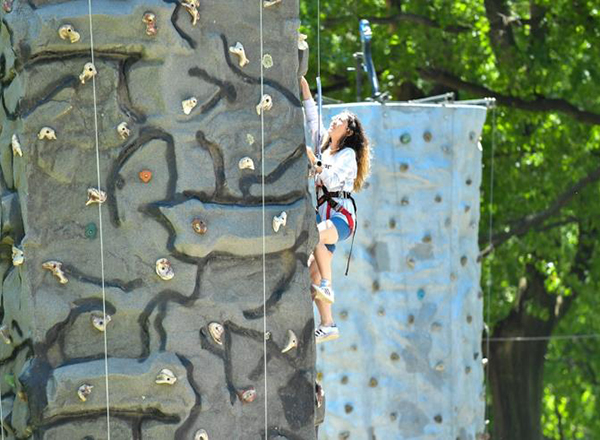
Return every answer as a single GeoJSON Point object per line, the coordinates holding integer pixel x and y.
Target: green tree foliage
{"type": "Point", "coordinates": [538, 58]}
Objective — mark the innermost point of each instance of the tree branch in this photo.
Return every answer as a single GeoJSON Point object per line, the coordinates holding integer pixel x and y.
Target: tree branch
{"type": "Point", "coordinates": [403, 17]}
{"type": "Point", "coordinates": [530, 221]}
{"type": "Point", "coordinates": [540, 104]}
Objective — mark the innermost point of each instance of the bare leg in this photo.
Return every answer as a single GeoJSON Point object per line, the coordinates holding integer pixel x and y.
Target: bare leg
{"type": "Point", "coordinates": [327, 235]}
{"type": "Point", "coordinates": [323, 307]}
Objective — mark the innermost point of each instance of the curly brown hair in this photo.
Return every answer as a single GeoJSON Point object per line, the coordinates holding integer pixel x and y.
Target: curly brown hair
{"type": "Point", "coordinates": [357, 140]}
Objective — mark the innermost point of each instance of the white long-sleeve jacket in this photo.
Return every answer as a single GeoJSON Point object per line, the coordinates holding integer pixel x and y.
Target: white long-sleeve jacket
{"type": "Point", "coordinates": [339, 169]}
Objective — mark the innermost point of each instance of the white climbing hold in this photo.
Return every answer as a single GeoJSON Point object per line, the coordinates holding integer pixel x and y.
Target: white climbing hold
{"type": "Point", "coordinates": [100, 323]}
{"type": "Point", "coordinates": [279, 221]}
{"type": "Point", "coordinates": [123, 130]}
{"type": "Point", "coordinates": [95, 195]}
{"type": "Point", "coordinates": [292, 341]}
{"type": "Point", "coordinates": [16, 146]}
{"type": "Point", "coordinates": [216, 331]}
{"type": "Point", "coordinates": [67, 32]}
{"type": "Point", "coordinates": [56, 268]}
{"type": "Point", "coordinates": [84, 391]}
{"type": "Point", "coordinates": [238, 50]}
{"type": "Point", "coordinates": [192, 7]}
{"type": "Point", "coordinates": [302, 44]}
{"type": "Point", "coordinates": [266, 103]}
{"type": "Point", "coordinates": [47, 133]}
{"type": "Point", "coordinates": [5, 334]}
{"type": "Point", "coordinates": [267, 61]}
{"type": "Point", "coordinates": [246, 163]}
{"type": "Point", "coordinates": [89, 71]}
{"type": "Point", "coordinates": [189, 104]}
{"type": "Point", "coordinates": [269, 3]}
{"type": "Point", "coordinates": [201, 434]}
{"type": "Point", "coordinates": [166, 376]}
{"type": "Point", "coordinates": [17, 256]}
{"type": "Point", "coordinates": [164, 269]}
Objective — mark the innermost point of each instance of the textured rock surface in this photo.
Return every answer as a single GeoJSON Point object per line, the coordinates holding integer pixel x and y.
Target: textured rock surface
{"type": "Point", "coordinates": [193, 160]}
{"type": "Point", "coordinates": [408, 364]}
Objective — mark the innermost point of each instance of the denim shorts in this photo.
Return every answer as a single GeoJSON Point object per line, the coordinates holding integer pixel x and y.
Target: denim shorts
{"type": "Point", "coordinates": [341, 226]}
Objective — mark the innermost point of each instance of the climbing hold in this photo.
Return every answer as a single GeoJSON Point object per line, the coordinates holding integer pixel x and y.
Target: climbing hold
{"type": "Point", "coordinates": [373, 382]}
{"type": "Point", "coordinates": [7, 5]}
{"type": "Point", "coordinates": [411, 319]}
{"type": "Point", "coordinates": [472, 136]}
{"type": "Point", "coordinates": [56, 268]}
{"type": "Point", "coordinates": [265, 104]}
{"type": "Point", "coordinates": [394, 356]}
{"type": "Point", "coordinates": [344, 380]}
{"type": "Point", "coordinates": [302, 44]}
{"type": "Point", "coordinates": [123, 130]}
{"type": "Point", "coordinates": [250, 139]}
{"type": "Point", "coordinates": [404, 201]}
{"type": "Point", "coordinates": [47, 133]}
{"type": "Point", "coordinates": [201, 434]}
{"type": "Point", "coordinates": [348, 408]}
{"type": "Point", "coordinates": [164, 269]}
{"type": "Point", "coordinates": [438, 198]}
{"type": "Point", "coordinates": [100, 323]}
{"type": "Point", "coordinates": [484, 361]}
{"type": "Point", "coordinates": [246, 163]}
{"type": "Point", "coordinates": [16, 146]}
{"type": "Point", "coordinates": [67, 32]}
{"type": "Point", "coordinates": [268, 336]}
{"type": "Point", "coordinates": [467, 370]}
{"type": "Point", "coordinates": [145, 176]}
{"type": "Point", "coordinates": [405, 138]}
{"type": "Point", "coordinates": [446, 148]}
{"type": "Point", "coordinates": [392, 223]}
{"type": "Point", "coordinates": [469, 319]}
{"type": "Point", "coordinates": [344, 435]}
{"type": "Point", "coordinates": [319, 394]}
{"type": "Point", "coordinates": [436, 327]}
{"type": "Point", "coordinates": [165, 376]}
{"type": "Point", "coordinates": [89, 71]}
{"type": "Point", "coordinates": [427, 136]}
{"type": "Point", "coordinates": [453, 276]}
{"type": "Point", "coordinates": [440, 367]}
{"type": "Point", "coordinates": [95, 195]}
{"type": "Point", "coordinates": [292, 341]}
{"type": "Point", "coordinates": [216, 331]}
{"type": "Point", "coordinates": [344, 315]}
{"type": "Point", "coordinates": [188, 105]}
{"type": "Point", "coordinates": [267, 61]}
{"type": "Point", "coordinates": [463, 260]}
{"type": "Point", "coordinates": [426, 238]}
{"type": "Point", "coordinates": [17, 256]}
{"type": "Point", "coordinates": [279, 221]}
{"type": "Point", "coordinates": [269, 3]}
{"type": "Point", "coordinates": [247, 395]}
{"type": "Point", "coordinates": [410, 262]}
{"type": "Point", "coordinates": [403, 167]}
{"type": "Point", "coordinates": [10, 380]}
{"type": "Point", "coordinates": [192, 7]}
{"type": "Point", "coordinates": [469, 181]}
{"type": "Point", "coordinates": [199, 226]}
{"type": "Point", "coordinates": [150, 20]}
{"type": "Point", "coordinates": [84, 391]}
{"type": "Point", "coordinates": [438, 418]}
{"type": "Point", "coordinates": [421, 293]}
{"type": "Point", "coordinates": [5, 334]}
{"type": "Point", "coordinates": [91, 230]}
{"type": "Point", "coordinates": [480, 294]}
{"type": "Point", "coordinates": [467, 208]}
{"type": "Point", "coordinates": [238, 50]}
{"type": "Point", "coordinates": [381, 311]}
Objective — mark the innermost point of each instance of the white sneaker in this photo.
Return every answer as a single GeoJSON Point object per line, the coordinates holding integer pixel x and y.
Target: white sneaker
{"type": "Point", "coordinates": [324, 293]}
{"type": "Point", "coordinates": [324, 334]}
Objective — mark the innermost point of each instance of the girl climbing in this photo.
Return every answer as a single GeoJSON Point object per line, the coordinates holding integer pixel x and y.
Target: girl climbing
{"type": "Point", "coordinates": [342, 168]}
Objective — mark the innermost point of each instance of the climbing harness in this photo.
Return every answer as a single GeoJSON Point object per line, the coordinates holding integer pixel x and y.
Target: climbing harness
{"type": "Point", "coordinates": [100, 221]}
{"type": "Point", "coordinates": [328, 197]}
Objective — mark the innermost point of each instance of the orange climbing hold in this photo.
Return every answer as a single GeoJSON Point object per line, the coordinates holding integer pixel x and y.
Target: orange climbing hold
{"type": "Point", "coordinates": [145, 176]}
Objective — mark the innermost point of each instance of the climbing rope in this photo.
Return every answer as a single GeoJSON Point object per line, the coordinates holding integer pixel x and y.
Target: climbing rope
{"type": "Point", "coordinates": [100, 223]}
{"type": "Point", "coordinates": [264, 246]}
{"type": "Point", "coordinates": [489, 281]}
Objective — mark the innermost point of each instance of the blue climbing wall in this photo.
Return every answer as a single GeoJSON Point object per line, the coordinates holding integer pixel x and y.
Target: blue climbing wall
{"type": "Point", "coordinates": [408, 363]}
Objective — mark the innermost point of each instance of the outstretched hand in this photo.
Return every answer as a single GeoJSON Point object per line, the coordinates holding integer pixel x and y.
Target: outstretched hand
{"type": "Point", "coordinates": [305, 88]}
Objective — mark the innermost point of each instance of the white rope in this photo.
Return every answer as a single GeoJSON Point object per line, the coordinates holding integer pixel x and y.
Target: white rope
{"type": "Point", "coordinates": [489, 282]}
{"type": "Point", "coordinates": [100, 225]}
{"type": "Point", "coordinates": [545, 338]}
{"type": "Point", "coordinates": [1, 415]}
{"type": "Point", "coordinates": [264, 247]}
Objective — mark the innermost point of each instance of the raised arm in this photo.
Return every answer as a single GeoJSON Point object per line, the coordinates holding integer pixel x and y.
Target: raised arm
{"type": "Point", "coordinates": [311, 112]}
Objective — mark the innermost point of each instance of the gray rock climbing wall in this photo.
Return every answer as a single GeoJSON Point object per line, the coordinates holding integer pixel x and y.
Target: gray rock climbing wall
{"type": "Point", "coordinates": [408, 363]}
{"type": "Point", "coordinates": [175, 189]}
